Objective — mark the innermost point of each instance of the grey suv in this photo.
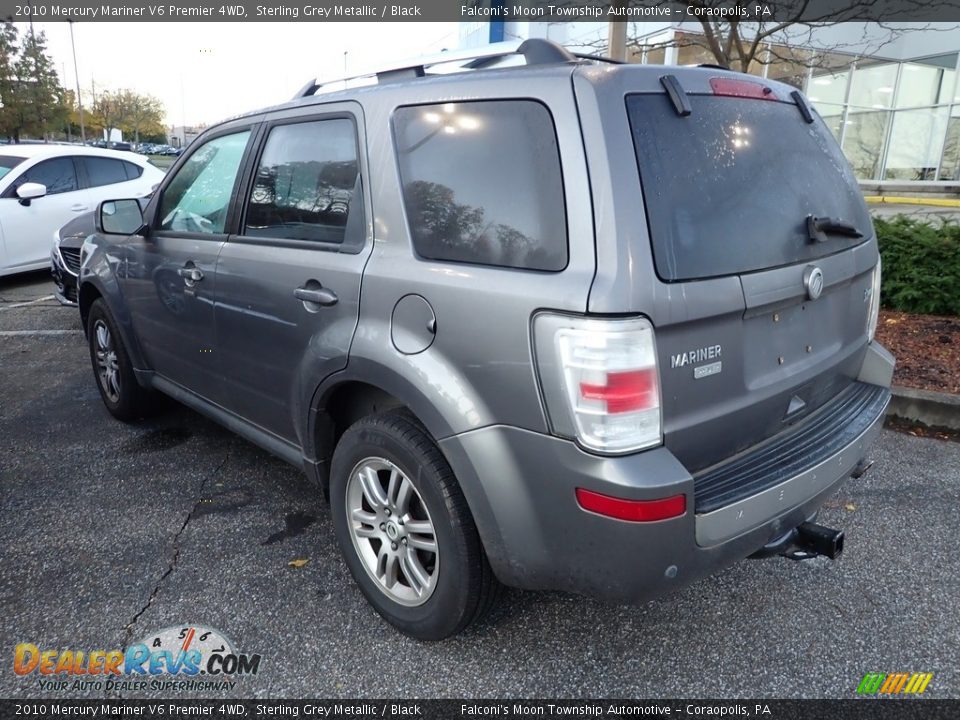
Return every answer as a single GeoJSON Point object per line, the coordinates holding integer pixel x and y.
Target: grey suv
{"type": "Point", "coordinates": [570, 325]}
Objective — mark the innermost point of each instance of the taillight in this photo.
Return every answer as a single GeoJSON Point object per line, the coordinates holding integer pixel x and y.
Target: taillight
{"type": "Point", "coordinates": [873, 309]}
{"type": "Point", "coordinates": [733, 87]}
{"type": "Point", "coordinates": [632, 510]}
{"type": "Point", "coordinates": [624, 392]}
{"type": "Point", "coordinates": [599, 379]}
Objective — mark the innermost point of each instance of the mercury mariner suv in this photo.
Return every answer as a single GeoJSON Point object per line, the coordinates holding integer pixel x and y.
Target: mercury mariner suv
{"type": "Point", "coordinates": [566, 325]}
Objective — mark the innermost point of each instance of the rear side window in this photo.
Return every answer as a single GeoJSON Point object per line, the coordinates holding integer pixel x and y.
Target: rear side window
{"type": "Point", "coordinates": [307, 185]}
{"type": "Point", "coordinates": [133, 170]}
{"type": "Point", "coordinates": [104, 171]}
{"type": "Point", "coordinates": [728, 188]}
{"type": "Point", "coordinates": [58, 175]}
{"type": "Point", "coordinates": [482, 183]}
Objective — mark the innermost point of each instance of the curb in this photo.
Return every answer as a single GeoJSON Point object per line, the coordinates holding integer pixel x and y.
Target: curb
{"type": "Point", "coordinates": [933, 409]}
{"type": "Point", "coordinates": [900, 200]}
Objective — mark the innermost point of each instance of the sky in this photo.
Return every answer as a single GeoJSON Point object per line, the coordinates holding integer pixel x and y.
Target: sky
{"type": "Point", "coordinates": [204, 72]}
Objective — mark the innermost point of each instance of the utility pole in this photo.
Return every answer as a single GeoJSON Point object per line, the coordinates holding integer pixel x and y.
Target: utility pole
{"type": "Point", "coordinates": [76, 77]}
{"type": "Point", "coordinates": [617, 33]}
{"type": "Point", "coordinates": [63, 68]}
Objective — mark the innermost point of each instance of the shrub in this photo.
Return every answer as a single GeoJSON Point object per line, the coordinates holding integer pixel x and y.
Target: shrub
{"type": "Point", "coordinates": [921, 265]}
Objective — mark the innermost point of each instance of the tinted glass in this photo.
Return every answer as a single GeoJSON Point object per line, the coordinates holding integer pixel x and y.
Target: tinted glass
{"type": "Point", "coordinates": [104, 171]}
{"type": "Point", "coordinates": [58, 175]}
{"type": "Point", "coordinates": [133, 170]}
{"type": "Point", "coordinates": [729, 187]}
{"type": "Point", "coordinates": [7, 163]}
{"type": "Point", "coordinates": [198, 197]}
{"type": "Point", "coordinates": [307, 183]}
{"type": "Point", "coordinates": [482, 183]}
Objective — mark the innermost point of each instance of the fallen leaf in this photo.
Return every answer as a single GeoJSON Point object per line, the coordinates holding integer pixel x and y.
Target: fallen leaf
{"type": "Point", "coordinates": [850, 506]}
{"type": "Point", "coordinates": [298, 563]}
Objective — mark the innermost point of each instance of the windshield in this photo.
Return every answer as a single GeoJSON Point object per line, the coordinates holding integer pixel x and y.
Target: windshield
{"type": "Point", "coordinates": [8, 163]}
{"type": "Point", "coordinates": [728, 189]}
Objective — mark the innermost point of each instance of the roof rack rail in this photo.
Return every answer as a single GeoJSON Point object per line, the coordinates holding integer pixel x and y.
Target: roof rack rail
{"type": "Point", "coordinates": [599, 58]}
{"type": "Point", "coordinates": [536, 51]}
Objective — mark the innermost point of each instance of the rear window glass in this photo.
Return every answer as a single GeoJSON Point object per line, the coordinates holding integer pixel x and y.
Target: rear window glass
{"type": "Point", "coordinates": [729, 187]}
{"type": "Point", "coordinates": [482, 183]}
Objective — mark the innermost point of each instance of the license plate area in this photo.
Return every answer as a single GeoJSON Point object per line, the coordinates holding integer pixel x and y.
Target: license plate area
{"type": "Point", "coordinates": [789, 339]}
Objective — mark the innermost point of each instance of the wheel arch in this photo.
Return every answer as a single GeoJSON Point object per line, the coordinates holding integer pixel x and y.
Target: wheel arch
{"type": "Point", "coordinates": [367, 387]}
{"type": "Point", "coordinates": [361, 389]}
{"type": "Point", "coordinates": [89, 291]}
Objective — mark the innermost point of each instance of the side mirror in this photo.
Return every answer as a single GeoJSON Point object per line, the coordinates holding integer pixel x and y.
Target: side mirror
{"type": "Point", "coordinates": [119, 217]}
{"type": "Point", "coordinates": [30, 191]}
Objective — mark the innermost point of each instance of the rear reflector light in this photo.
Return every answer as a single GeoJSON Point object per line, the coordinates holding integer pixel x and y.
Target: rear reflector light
{"type": "Point", "coordinates": [741, 88]}
{"type": "Point", "coordinates": [632, 510]}
{"type": "Point", "coordinates": [599, 380]}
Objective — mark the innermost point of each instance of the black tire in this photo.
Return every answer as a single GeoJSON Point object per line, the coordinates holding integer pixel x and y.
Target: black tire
{"type": "Point", "coordinates": [127, 400]}
{"type": "Point", "coordinates": [464, 587]}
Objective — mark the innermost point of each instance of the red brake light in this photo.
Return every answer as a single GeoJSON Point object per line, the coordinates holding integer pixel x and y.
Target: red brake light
{"type": "Point", "coordinates": [632, 510]}
{"type": "Point", "coordinates": [625, 391]}
{"type": "Point", "coordinates": [741, 88]}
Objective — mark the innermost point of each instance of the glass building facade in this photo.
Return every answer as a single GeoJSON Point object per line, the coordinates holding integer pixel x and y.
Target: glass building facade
{"type": "Point", "coordinates": [896, 121]}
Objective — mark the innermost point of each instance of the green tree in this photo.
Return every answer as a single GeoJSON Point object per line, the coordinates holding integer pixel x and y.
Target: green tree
{"type": "Point", "coordinates": [8, 79]}
{"type": "Point", "coordinates": [143, 114]}
{"type": "Point", "coordinates": [109, 111]}
{"type": "Point", "coordinates": [39, 95]}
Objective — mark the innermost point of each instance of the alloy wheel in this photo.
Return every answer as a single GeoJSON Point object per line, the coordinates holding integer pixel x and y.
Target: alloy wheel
{"type": "Point", "coordinates": [108, 370]}
{"type": "Point", "coordinates": [392, 531]}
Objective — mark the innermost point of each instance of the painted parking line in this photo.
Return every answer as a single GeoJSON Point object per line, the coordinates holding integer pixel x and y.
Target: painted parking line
{"type": "Point", "coordinates": [27, 333]}
{"type": "Point", "coordinates": [24, 304]}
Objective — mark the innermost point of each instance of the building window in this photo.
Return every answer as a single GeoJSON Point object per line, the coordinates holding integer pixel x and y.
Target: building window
{"type": "Point", "coordinates": [927, 82]}
{"type": "Point", "coordinates": [691, 51]}
{"type": "Point", "coordinates": [950, 162]}
{"type": "Point", "coordinates": [863, 141]}
{"type": "Point", "coordinates": [915, 144]}
{"type": "Point", "coordinates": [789, 65]}
{"type": "Point", "coordinates": [872, 84]}
{"type": "Point", "coordinates": [829, 87]}
{"type": "Point", "coordinates": [833, 116]}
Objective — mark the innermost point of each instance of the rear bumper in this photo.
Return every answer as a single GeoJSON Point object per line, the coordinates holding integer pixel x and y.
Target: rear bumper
{"type": "Point", "coordinates": [521, 488]}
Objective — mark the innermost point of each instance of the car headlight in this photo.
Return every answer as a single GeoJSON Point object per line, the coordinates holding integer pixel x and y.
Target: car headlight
{"type": "Point", "coordinates": [874, 311]}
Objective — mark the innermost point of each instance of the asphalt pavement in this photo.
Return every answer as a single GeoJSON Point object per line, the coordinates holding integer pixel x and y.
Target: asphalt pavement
{"type": "Point", "coordinates": [111, 532]}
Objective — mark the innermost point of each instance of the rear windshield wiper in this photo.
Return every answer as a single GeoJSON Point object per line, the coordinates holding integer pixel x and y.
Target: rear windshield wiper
{"type": "Point", "coordinates": [819, 227]}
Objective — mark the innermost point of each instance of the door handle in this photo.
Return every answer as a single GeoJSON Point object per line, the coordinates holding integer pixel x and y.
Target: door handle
{"type": "Point", "coordinates": [320, 296]}
{"type": "Point", "coordinates": [79, 208]}
{"type": "Point", "coordinates": [190, 275]}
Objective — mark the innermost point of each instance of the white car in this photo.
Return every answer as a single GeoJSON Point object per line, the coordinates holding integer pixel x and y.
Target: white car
{"type": "Point", "coordinates": [42, 187]}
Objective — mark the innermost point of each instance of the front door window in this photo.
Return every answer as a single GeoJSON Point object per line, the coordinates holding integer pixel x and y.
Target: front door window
{"type": "Point", "coordinates": [198, 197]}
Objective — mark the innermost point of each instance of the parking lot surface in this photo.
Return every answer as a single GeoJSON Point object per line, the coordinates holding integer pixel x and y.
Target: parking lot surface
{"type": "Point", "coordinates": [111, 532]}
